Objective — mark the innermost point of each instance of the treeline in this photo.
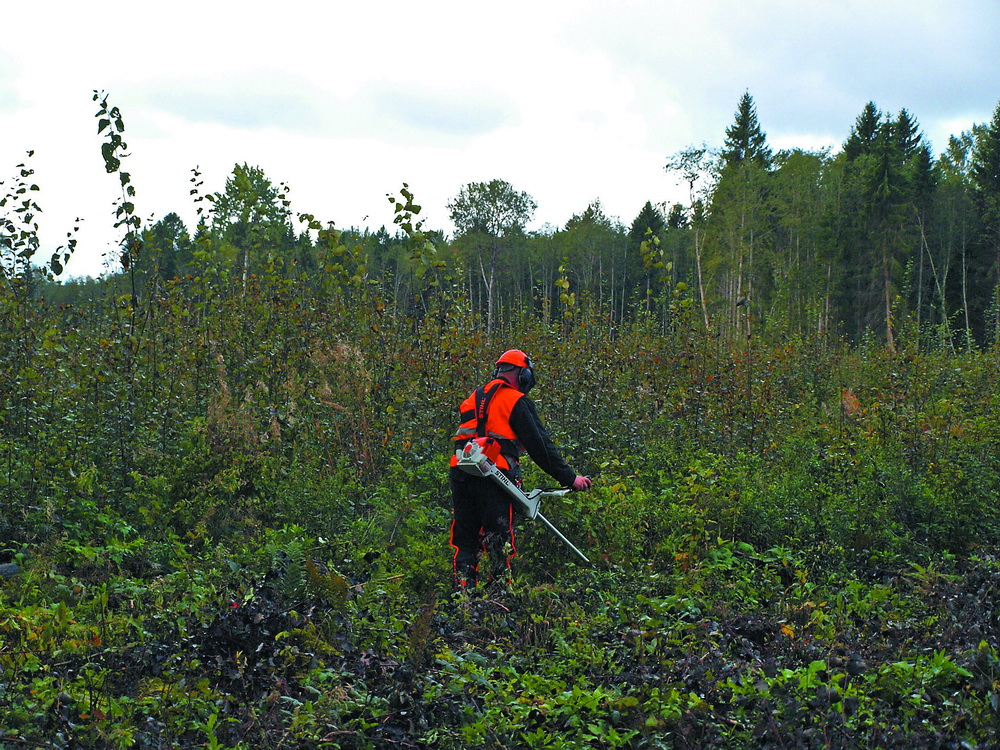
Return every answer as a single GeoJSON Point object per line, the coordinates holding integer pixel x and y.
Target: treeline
{"type": "Point", "coordinates": [865, 241]}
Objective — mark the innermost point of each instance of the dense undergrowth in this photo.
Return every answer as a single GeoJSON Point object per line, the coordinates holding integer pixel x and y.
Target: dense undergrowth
{"type": "Point", "coordinates": [231, 529]}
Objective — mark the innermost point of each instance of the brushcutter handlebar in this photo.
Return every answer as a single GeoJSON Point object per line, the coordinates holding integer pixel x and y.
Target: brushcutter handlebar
{"type": "Point", "coordinates": [544, 492]}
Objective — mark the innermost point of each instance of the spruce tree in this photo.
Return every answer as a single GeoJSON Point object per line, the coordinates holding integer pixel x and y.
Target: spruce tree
{"type": "Point", "coordinates": [986, 173]}
{"type": "Point", "coordinates": [745, 141]}
{"type": "Point", "coordinates": [864, 133]}
{"type": "Point", "coordinates": [986, 181]}
{"type": "Point", "coordinates": [649, 218]}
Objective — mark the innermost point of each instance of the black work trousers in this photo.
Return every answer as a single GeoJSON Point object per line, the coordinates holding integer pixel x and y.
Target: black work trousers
{"type": "Point", "coordinates": [483, 521]}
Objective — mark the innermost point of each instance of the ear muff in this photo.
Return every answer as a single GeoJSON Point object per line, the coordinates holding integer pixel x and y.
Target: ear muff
{"type": "Point", "coordinates": [526, 378]}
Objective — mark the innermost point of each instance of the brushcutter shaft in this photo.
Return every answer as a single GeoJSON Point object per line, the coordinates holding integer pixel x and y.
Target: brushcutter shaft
{"type": "Point", "coordinates": [558, 533]}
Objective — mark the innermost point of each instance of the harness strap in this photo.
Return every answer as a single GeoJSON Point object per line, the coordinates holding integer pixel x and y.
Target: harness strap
{"type": "Point", "coordinates": [483, 399]}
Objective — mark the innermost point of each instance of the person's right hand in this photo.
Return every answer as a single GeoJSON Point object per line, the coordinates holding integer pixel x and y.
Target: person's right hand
{"type": "Point", "coordinates": [581, 483]}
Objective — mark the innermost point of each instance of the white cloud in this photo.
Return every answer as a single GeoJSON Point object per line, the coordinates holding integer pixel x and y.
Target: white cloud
{"type": "Point", "coordinates": [570, 101]}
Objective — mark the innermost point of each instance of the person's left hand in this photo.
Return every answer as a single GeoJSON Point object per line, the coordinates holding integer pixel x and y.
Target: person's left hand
{"type": "Point", "coordinates": [581, 483]}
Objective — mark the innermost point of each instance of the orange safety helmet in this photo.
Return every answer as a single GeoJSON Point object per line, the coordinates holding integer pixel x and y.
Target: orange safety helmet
{"type": "Point", "coordinates": [517, 358]}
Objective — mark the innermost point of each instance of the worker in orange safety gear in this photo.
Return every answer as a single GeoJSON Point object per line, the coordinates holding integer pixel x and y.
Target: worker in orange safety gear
{"type": "Point", "coordinates": [482, 510]}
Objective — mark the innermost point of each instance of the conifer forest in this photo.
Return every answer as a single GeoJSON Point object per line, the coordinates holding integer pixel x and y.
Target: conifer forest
{"type": "Point", "coordinates": [224, 462]}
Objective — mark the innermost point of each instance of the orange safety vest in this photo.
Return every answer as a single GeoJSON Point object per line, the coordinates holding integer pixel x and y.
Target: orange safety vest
{"type": "Point", "coordinates": [495, 401]}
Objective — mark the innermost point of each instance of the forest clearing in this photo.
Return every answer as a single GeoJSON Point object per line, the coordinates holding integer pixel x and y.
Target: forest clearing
{"type": "Point", "coordinates": [224, 465]}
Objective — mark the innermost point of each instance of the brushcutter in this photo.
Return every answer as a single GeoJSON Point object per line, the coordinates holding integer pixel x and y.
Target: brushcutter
{"type": "Point", "coordinates": [473, 459]}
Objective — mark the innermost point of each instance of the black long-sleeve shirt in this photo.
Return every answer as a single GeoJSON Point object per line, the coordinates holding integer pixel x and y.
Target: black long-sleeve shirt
{"type": "Point", "coordinates": [535, 438]}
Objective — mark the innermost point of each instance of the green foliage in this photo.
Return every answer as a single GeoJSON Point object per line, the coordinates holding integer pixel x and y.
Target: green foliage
{"type": "Point", "coordinates": [19, 243]}
{"type": "Point", "coordinates": [114, 149]}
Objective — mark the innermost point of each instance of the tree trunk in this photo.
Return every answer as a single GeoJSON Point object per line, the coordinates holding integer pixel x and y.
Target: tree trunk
{"type": "Point", "coordinates": [489, 279]}
{"type": "Point", "coordinates": [965, 297]}
{"type": "Point", "coordinates": [701, 284]}
{"type": "Point", "coordinates": [890, 341]}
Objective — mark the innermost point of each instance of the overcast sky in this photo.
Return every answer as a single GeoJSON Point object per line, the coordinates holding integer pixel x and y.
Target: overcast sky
{"type": "Point", "coordinates": [569, 101]}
